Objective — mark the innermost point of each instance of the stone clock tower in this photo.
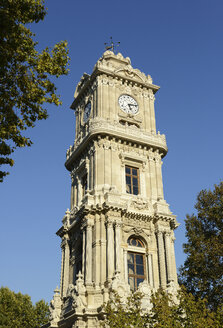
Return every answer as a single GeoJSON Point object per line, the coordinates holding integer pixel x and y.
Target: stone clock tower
{"type": "Point", "coordinates": [119, 231]}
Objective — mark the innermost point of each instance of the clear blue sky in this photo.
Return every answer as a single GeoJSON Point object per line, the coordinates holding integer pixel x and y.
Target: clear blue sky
{"type": "Point", "coordinates": [180, 44]}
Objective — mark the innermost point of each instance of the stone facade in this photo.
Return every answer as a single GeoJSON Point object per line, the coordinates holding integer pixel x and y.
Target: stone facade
{"type": "Point", "coordinates": [119, 231]}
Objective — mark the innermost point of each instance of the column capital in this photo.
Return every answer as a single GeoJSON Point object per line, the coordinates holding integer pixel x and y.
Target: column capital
{"type": "Point", "coordinates": [159, 233]}
{"type": "Point", "coordinates": [87, 222]}
{"type": "Point", "coordinates": [109, 222]}
{"type": "Point", "coordinates": [167, 233]}
{"type": "Point", "coordinates": [118, 223]}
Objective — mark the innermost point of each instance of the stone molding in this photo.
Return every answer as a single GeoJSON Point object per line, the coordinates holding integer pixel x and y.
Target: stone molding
{"type": "Point", "coordinates": [130, 134]}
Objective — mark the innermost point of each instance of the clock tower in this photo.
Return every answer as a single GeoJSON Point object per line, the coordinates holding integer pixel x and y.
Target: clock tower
{"type": "Point", "coordinates": [119, 231]}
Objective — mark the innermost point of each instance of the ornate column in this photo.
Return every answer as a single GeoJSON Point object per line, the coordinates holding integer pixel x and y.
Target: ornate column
{"type": "Point", "coordinates": [83, 251]}
{"type": "Point", "coordinates": [110, 249]}
{"type": "Point", "coordinates": [150, 270]}
{"type": "Point", "coordinates": [75, 193]}
{"type": "Point", "coordinates": [161, 255]}
{"type": "Point", "coordinates": [96, 274]}
{"type": "Point", "coordinates": [103, 250]}
{"type": "Point", "coordinates": [88, 275]}
{"type": "Point", "coordinates": [78, 191]}
{"type": "Point", "coordinates": [66, 259]}
{"type": "Point", "coordinates": [173, 262]}
{"type": "Point", "coordinates": [62, 269]}
{"type": "Point", "coordinates": [118, 246]}
{"type": "Point", "coordinates": [159, 179]}
{"type": "Point", "coordinates": [72, 191]}
{"type": "Point", "coordinates": [152, 172]}
{"type": "Point", "coordinates": [87, 164]}
{"type": "Point", "coordinates": [152, 112]}
{"type": "Point", "coordinates": [168, 256]}
{"type": "Point", "coordinates": [91, 166]}
{"type": "Point", "coordinates": [125, 265]}
{"type": "Point", "coordinates": [95, 152]}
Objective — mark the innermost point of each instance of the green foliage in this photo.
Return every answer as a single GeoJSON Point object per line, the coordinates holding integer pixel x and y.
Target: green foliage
{"type": "Point", "coordinates": [202, 273]}
{"type": "Point", "coordinates": [196, 313]}
{"type": "Point", "coordinates": [17, 310]}
{"type": "Point", "coordinates": [25, 84]}
{"type": "Point", "coordinates": [128, 316]}
{"type": "Point", "coordinates": [185, 312]}
{"type": "Point", "coordinates": [165, 313]}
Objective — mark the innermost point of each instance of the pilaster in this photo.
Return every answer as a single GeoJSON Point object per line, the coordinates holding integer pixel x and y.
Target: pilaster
{"type": "Point", "coordinates": [118, 246]}
{"type": "Point", "coordinates": [162, 266]}
{"type": "Point", "coordinates": [66, 260]}
{"type": "Point", "coordinates": [168, 256]}
{"type": "Point", "coordinates": [88, 276]}
{"type": "Point", "coordinates": [159, 179]}
{"type": "Point", "coordinates": [110, 249]}
{"type": "Point", "coordinates": [150, 270]}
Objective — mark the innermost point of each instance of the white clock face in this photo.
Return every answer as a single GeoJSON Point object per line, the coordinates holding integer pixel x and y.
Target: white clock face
{"type": "Point", "coordinates": [128, 104]}
{"type": "Point", "coordinates": [87, 111]}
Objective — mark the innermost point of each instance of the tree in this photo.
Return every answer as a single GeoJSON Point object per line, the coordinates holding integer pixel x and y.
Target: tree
{"type": "Point", "coordinates": [202, 273]}
{"type": "Point", "coordinates": [187, 312]}
{"type": "Point", "coordinates": [17, 310]}
{"type": "Point", "coordinates": [128, 316]}
{"type": "Point", "coordinates": [25, 84]}
{"type": "Point", "coordinates": [167, 312]}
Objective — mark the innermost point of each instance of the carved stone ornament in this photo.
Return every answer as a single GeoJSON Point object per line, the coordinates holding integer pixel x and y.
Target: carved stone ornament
{"type": "Point", "coordinates": [146, 291]}
{"type": "Point", "coordinates": [131, 72]}
{"type": "Point", "coordinates": [55, 307]}
{"type": "Point", "coordinates": [140, 204]}
{"type": "Point", "coordinates": [173, 289]}
{"type": "Point", "coordinates": [121, 287]}
{"type": "Point", "coordinates": [75, 298]}
{"type": "Point", "coordinates": [138, 231]}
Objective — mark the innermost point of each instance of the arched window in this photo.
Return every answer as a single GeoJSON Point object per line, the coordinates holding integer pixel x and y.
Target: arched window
{"type": "Point", "coordinates": [136, 262]}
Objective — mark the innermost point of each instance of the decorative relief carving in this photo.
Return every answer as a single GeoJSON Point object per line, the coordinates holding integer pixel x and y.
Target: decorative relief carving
{"type": "Point", "coordinates": [120, 286]}
{"type": "Point", "coordinates": [75, 298]}
{"type": "Point", "coordinates": [140, 204]}
{"type": "Point", "coordinates": [133, 73]}
{"type": "Point", "coordinates": [146, 291]}
{"type": "Point", "coordinates": [141, 230]}
{"type": "Point", "coordinates": [112, 214]}
{"type": "Point", "coordinates": [138, 231]}
{"type": "Point", "coordinates": [132, 154]}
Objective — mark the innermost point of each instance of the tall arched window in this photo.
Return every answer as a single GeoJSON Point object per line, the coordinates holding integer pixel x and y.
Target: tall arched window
{"type": "Point", "coordinates": [136, 262]}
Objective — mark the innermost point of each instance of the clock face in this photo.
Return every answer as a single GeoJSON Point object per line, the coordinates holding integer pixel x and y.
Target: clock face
{"type": "Point", "coordinates": [128, 104]}
{"type": "Point", "coordinates": [87, 111]}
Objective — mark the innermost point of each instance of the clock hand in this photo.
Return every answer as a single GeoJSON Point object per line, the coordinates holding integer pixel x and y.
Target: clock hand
{"type": "Point", "coordinates": [131, 106]}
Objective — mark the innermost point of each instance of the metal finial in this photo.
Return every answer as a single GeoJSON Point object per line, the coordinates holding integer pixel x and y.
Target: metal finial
{"type": "Point", "coordinates": [112, 46]}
